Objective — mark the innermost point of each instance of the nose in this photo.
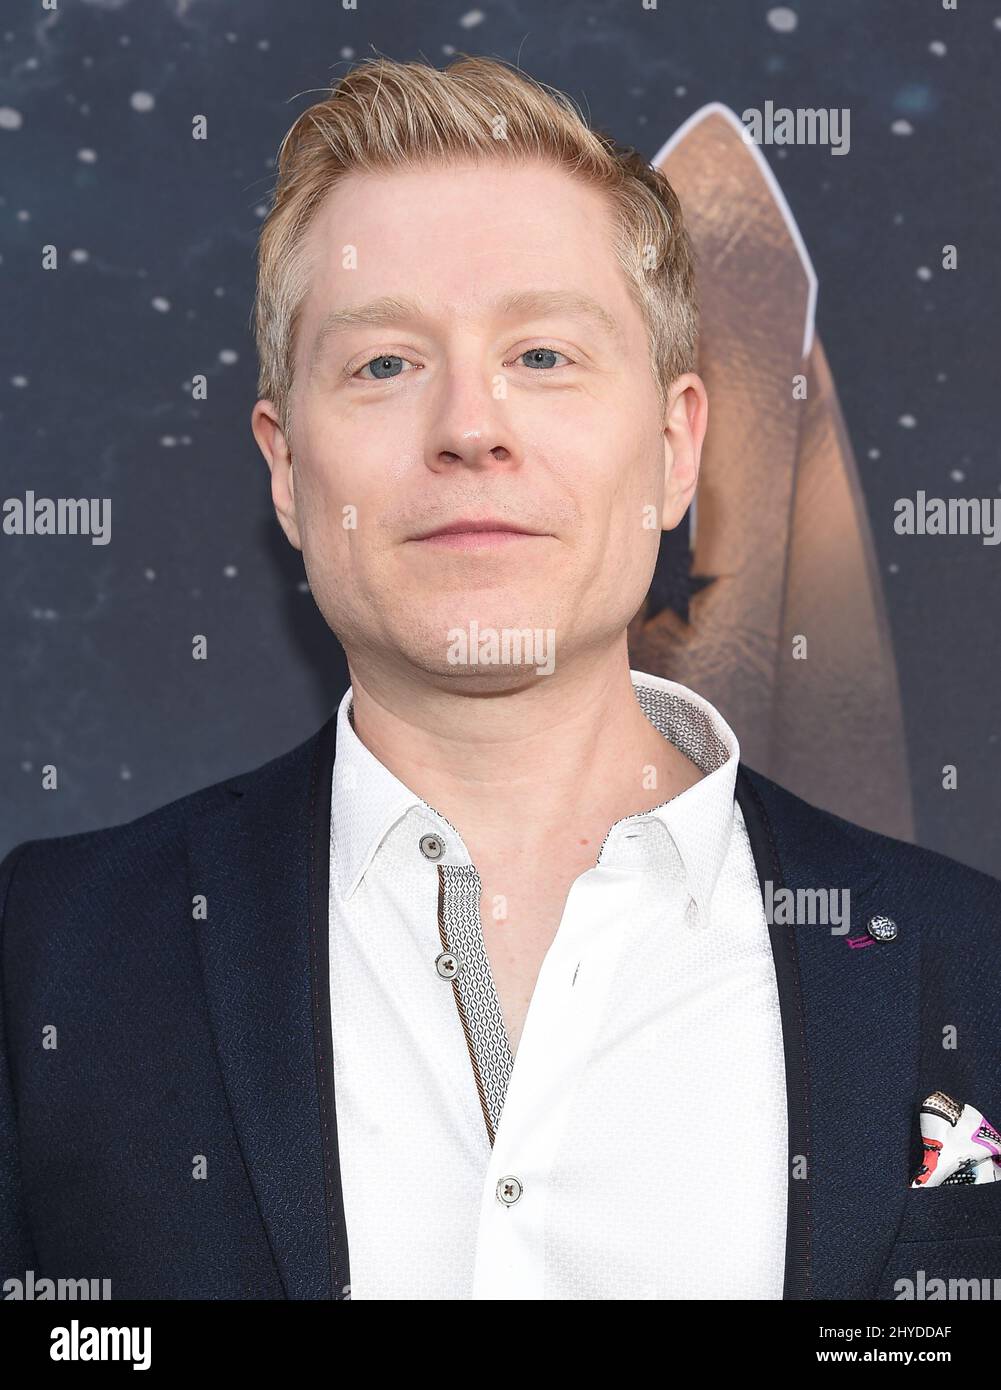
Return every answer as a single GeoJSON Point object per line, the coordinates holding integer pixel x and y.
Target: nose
{"type": "Point", "coordinates": [470, 427]}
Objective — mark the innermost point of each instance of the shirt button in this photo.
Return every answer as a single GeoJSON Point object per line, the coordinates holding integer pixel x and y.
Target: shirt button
{"type": "Point", "coordinates": [509, 1189]}
{"type": "Point", "coordinates": [431, 846]}
{"type": "Point", "coordinates": [447, 965]}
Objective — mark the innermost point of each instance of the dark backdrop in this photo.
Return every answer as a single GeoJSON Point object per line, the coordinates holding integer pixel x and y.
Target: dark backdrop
{"type": "Point", "coordinates": [155, 235]}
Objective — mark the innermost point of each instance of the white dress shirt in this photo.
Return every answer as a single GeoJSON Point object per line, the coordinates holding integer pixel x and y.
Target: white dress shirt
{"type": "Point", "coordinates": [636, 1145]}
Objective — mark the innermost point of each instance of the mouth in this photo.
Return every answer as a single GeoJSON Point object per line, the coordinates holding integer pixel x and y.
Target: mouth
{"type": "Point", "coordinates": [470, 534]}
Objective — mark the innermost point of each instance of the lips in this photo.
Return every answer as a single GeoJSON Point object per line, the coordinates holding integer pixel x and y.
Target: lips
{"type": "Point", "coordinates": [469, 526]}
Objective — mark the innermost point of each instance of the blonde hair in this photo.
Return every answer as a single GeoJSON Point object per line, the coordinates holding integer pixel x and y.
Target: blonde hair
{"type": "Point", "coordinates": [385, 115]}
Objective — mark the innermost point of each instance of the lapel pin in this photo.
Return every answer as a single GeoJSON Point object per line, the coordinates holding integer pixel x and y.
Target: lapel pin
{"type": "Point", "coordinates": [881, 928]}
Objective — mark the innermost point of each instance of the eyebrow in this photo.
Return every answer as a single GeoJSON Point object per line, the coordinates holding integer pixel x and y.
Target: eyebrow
{"type": "Point", "coordinates": [388, 310]}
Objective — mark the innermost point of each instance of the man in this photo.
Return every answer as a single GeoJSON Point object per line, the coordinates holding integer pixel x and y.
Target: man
{"type": "Point", "coordinates": [479, 993]}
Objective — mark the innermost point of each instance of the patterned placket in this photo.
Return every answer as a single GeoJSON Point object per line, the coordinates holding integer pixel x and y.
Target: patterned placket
{"type": "Point", "coordinates": [475, 992]}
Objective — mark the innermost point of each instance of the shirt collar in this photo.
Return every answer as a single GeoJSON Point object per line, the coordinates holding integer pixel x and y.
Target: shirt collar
{"type": "Point", "coordinates": [700, 818]}
{"type": "Point", "coordinates": [366, 802]}
{"type": "Point", "coordinates": [367, 799]}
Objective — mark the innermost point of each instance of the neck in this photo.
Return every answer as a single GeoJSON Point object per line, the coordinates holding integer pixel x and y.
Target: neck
{"type": "Point", "coordinates": [568, 753]}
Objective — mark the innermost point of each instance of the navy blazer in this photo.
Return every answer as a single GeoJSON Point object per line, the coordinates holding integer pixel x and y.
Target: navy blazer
{"type": "Point", "coordinates": [181, 1040]}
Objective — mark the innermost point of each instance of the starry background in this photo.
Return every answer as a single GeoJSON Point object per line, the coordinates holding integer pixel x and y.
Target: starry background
{"type": "Point", "coordinates": [156, 235]}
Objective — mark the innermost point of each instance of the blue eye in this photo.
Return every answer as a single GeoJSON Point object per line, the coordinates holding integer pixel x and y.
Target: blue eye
{"type": "Point", "coordinates": [540, 357]}
{"type": "Point", "coordinates": [384, 367]}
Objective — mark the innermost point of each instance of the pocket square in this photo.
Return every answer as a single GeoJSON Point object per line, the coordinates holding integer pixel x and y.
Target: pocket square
{"type": "Point", "coordinates": [960, 1146]}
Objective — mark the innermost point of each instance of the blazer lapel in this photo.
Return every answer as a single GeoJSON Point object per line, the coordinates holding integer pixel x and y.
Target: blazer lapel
{"type": "Point", "coordinates": [851, 1040]}
{"type": "Point", "coordinates": [260, 858]}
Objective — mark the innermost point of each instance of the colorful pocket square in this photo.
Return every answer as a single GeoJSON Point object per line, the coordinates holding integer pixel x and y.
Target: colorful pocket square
{"type": "Point", "coordinates": [960, 1146]}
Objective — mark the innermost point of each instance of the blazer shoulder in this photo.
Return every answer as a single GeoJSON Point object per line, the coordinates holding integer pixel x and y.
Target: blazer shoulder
{"type": "Point", "coordinates": [922, 874]}
{"type": "Point", "coordinates": [149, 845]}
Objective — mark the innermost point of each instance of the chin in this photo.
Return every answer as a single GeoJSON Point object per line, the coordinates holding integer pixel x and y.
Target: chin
{"type": "Point", "coordinates": [481, 680]}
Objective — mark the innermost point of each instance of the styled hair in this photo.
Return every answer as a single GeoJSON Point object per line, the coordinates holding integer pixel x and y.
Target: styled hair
{"type": "Point", "coordinates": [384, 115]}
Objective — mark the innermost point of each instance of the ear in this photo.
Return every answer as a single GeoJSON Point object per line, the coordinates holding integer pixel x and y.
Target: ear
{"type": "Point", "coordinates": [274, 446]}
{"type": "Point", "coordinates": [686, 416]}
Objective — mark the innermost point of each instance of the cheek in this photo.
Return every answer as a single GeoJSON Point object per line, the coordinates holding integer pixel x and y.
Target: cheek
{"type": "Point", "coordinates": [327, 499]}
{"type": "Point", "coordinates": [624, 490]}
{"type": "Point", "coordinates": [624, 512]}
{"type": "Point", "coordinates": [345, 553]}
{"type": "Point", "coordinates": [328, 524]}
{"type": "Point", "coordinates": [359, 464]}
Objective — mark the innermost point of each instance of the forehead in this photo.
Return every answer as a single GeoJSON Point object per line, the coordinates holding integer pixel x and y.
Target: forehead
{"type": "Point", "coordinates": [461, 239]}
